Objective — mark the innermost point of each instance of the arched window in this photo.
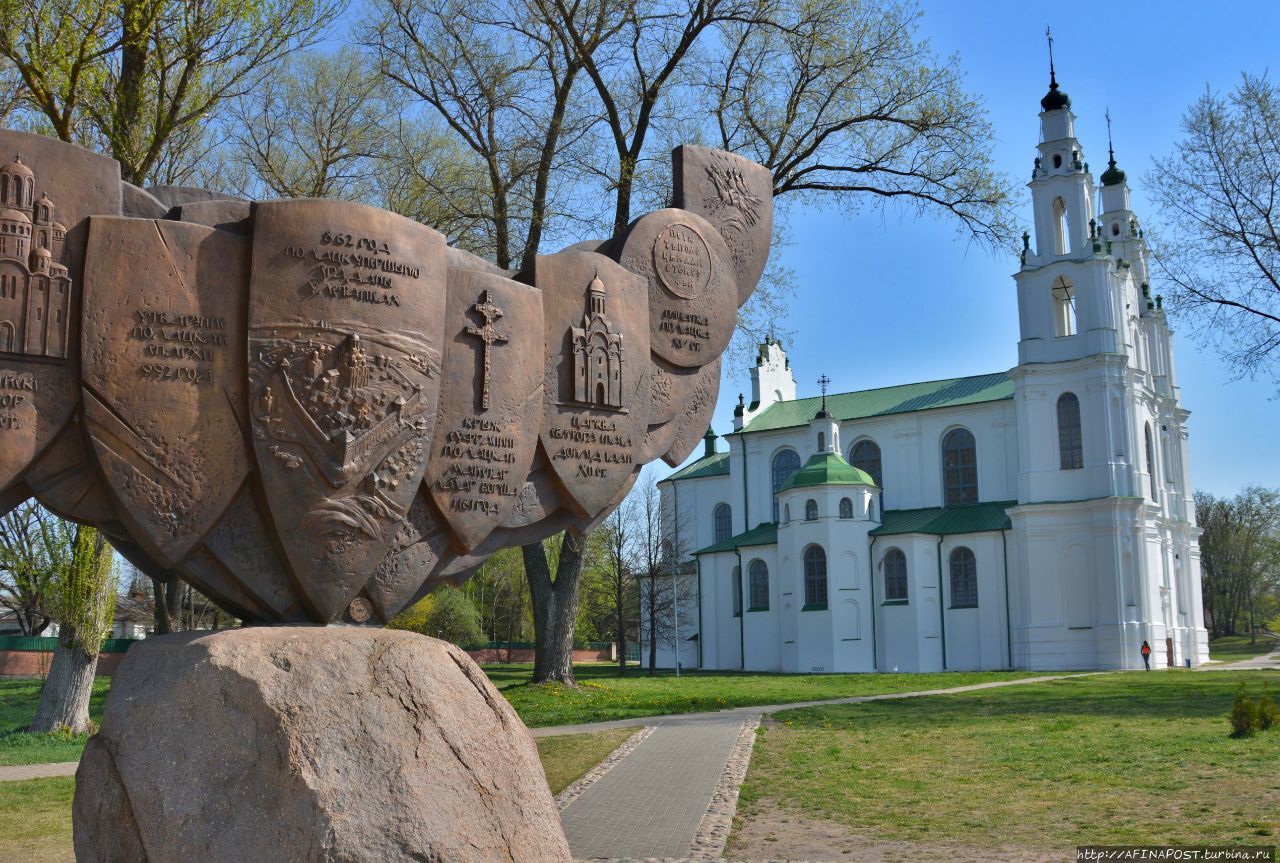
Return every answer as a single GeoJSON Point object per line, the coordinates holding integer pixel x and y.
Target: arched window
{"type": "Point", "coordinates": [1151, 461]}
{"type": "Point", "coordinates": [758, 572]}
{"type": "Point", "coordinates": [846, 508]}
{"type": "Point", "coordinates": [815, 577]}
{"type": "Point", "coordinates": [964, 579]}
{"type": "Point", "coordinates": [822, 442]}
{"type": "Point", "coordinates": [871, 509]}
{"type": "Point", "coordinates": [895, 576]}
{"type": "Point", "coordinates": [1070, 446]}
{"type": "Point", "coordinates": [785, 464]}
{"type": "Point", "coordinates": [959, 468]}
{"type": "Point", "coordinates": [865, 456]}
{"type": "Point", "coordinates": [786, 514]}
{"type": "Point", "coordinates": [722, 517]}
{"type": "Point", "coordinates": [810, 510]}
{"type": "Point", "coordinates": [1059, 226]}
{"type": "Point", "coordinates": [1064, 307]}
{"type": "Point", "coordinates": [737, 591]}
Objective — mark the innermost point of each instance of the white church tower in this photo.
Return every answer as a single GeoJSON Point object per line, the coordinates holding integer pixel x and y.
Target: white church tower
{"type": "Point", "coordinates": [1103, 532]}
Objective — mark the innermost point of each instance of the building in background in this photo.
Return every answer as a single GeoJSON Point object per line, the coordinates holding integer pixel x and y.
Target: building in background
{"type": "Point", "coordinates": [1040, 518]}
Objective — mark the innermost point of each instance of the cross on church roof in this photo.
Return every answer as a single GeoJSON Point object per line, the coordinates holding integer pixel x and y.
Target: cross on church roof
{"type": "Point", "coordinates": [823, 382]}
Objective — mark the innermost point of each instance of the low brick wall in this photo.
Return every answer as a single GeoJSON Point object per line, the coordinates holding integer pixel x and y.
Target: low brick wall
{"type": "Point", "coordinates": [35, 663]}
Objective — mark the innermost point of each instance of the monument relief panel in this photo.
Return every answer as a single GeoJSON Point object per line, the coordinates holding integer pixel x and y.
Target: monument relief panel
{"type": "Point", "coordinates": [490, 404]}
{"type": "Point", "coordinates": [346, 313]}
{"type": "Point", "coordinates": [597, 346]}
{"type": "Point", "coordinates": [736, 196]}
{"type": "Point", "coordinates": [164, 375]}
{"type": "Point", "coordinates": [47, 190]}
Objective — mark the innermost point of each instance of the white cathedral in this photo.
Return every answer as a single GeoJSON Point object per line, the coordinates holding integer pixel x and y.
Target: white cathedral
{"type": "Point", "coordinates": [1039, 518]}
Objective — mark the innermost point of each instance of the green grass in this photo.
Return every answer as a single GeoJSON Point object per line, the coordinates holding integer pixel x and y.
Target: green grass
{"type": "Point", "coordinates": [602, 695]}
{"type": "Point", "coordinates": [1230, 648]}
{"type": "Point", "coordinates": [18, 700]}
{"type": "Point", "coordinates": [565, 757]}
{"type": "Point", "coordinates": [35, 820]}
{"type": "Point", "coordinates": [1129, 758]}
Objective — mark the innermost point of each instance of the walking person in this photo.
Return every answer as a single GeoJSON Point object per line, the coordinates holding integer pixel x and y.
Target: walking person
{"type": "Point", "coordinates": [1146, 655]}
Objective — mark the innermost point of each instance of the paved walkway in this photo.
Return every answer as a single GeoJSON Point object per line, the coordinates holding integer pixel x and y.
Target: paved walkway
{"type": "Point", "coordinates": [38, 771]}
{"type": "Point", "coordinates": [1267, 660]}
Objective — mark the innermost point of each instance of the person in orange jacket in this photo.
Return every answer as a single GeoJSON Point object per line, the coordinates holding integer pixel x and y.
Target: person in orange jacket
{"type": "Point", "coordinates": [1146, 655]}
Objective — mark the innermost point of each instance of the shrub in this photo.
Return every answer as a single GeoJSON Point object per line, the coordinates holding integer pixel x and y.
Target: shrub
{"type": "Point", "coordinates": [1244, 713]}
{"type": "Point", "coordinates": [1268, 711]}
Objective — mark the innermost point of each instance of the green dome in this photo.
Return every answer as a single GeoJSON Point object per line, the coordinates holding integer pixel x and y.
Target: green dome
{"type": "Point", "coordinates": [1055, 98]}
{"type": "Point", "coordinates": [827, 468]}
{"type": "Point", "coordinates": [1113, 176]}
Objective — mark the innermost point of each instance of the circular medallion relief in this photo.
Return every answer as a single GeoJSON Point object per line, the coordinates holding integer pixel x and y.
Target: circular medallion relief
{"type": "Point", "coordinates": [360, 610]}
{"type": "Point", "coordinates": [682, 260]}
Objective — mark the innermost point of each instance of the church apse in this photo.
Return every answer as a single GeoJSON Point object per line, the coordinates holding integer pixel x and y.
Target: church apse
{"type": "Point", "coordinates": [35, 288]}
{"type": "Point", "coordinates": [597, 355]}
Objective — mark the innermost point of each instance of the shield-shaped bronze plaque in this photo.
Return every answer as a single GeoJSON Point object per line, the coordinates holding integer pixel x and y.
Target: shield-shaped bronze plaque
{"type": "Point", "coordinates": [420, 546]}
{"type": "Point", "coordinates": [346, 316]}
{"type": "Point", "coordinates": [490, 402]}
{"type": "Point", "coordinates": [692, 289]}
{"type": "Point", "coordinates": [47, 191]}
{"type": "Point", "coordinates": [163, 368]}
{"type": "Point", "coordinates": [597, 348]}
{"type": "Point", "coordinates": [736, 196]}
{"type": "Point", "coordinates": [697, 407]}
{"type": "Point", "coordinates": [684, 400]}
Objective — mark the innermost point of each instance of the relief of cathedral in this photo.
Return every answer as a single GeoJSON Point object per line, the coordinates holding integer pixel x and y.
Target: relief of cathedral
{"type": "Point", "coordinates": [35, 289]}
{"type": "Point", "coordinates": [597, 355]}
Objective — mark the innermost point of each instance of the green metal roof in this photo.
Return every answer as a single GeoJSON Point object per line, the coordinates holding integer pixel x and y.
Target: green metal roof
{"type": "Point", "coordinates": [943, 521]}
{"type": "Point", "coordinates": [713, 465]}
{"type": "Point", "coordinates": [765, 533]}
{"type": "Point", "coordinates": [827, 468]}
{"type": "Point", "coordinates": [904, 398]}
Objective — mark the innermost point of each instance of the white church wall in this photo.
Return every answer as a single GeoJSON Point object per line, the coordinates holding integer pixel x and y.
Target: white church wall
{"type": "Point", "coordinates": [977, 638]}
{"type": "Point", "coordinates": [762, 631]}
{"type": "Point", "coordinates": [693, 523]}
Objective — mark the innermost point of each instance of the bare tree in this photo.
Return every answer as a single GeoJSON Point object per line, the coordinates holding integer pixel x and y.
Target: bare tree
{"type": "Point", "coordinates": [617, 598]}
{"type": "Point", "coordinates": [130, 76]}
{"type": "Point", "coordinates": [1218, 242]}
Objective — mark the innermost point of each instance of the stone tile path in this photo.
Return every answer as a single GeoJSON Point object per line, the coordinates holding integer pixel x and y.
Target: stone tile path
{"type": "Point", "coordinates": [38, 771]}
{"type": "Point", "coordinates": [651, 803]}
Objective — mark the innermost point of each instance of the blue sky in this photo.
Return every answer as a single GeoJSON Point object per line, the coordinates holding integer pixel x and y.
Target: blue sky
{"type": "Point", "coordinates": [884, 299]}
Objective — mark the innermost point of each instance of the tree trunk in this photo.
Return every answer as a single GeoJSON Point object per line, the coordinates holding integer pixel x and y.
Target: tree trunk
{"type": "Point", "coordinates": [168, 596]}
{"type": "Point", "coordinates": [64, 699]}
{"type": "Point", "coordinates": [555, 607]}
{"type": "Point", "coordinates": [653, 625]}
{"type": "Point", "coordinates": [619, 598]}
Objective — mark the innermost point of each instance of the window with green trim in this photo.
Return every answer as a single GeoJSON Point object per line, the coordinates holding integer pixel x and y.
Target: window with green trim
{"type": "Point", "coordinates": [758, 574]}
{"type": "Point", "coordinates": [815, 577]}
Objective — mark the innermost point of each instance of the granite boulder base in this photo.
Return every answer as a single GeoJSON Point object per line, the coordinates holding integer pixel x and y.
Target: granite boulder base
{"type": "Point", "coordinates": [310, 744]}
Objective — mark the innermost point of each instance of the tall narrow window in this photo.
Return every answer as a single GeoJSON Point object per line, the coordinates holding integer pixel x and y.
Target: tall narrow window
{"type": "Point", "coordinates": [723, 518]}
{"type": "Point", "coordinates": [815, 577]}
{"type": "Point", "coordinates": [737, 591]}
{"type": "Point", "coordinates": [1070, 446]}
{"type": "Point", "coordinates": [1059, 226]}
{"type": "Point", "coordinates": [964, 579]}
{"type": "Point", "coordinates": [895, 575]}
{"type": "Point", "coordinates": [1151, 463]}
{"type": "Point", "coordinates": [810, 510]}
{"type": "Point", "coordinates": [822, 442]}
{"type": "Point", "coordinates": [758, 573]}
{"type": "Point", "coordinates": [865, 456]}
{"type": "Point", "coordinates": [785, 464]}
{"type": "Point", "coordinates": [1064, 307]}
{"type": "Point", "coordinates": [960, 468]}
{"type": "Point", "coordinates": [846, 508]}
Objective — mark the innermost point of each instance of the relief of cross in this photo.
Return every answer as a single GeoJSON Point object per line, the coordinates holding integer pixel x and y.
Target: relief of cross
{"type": "Point", "coordinates": [489, 335]}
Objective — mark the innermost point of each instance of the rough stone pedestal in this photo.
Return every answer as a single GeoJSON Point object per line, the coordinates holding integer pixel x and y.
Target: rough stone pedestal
{"type": "Point", "coordinates": [310, 744]}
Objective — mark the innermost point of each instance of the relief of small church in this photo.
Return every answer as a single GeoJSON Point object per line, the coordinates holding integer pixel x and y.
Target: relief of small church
{"type": "Point", "coordinates": [597, 354]}
{"type": "Point", "coordinates": [35, 288]}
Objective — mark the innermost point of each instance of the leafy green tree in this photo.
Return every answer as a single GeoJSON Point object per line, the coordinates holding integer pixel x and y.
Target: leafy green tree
{"type": "Point", "coordinates": [31, 551]}
{"type": "Point", "coordinates": [84, 594]}
{"type": "Point", "coordinates": [453, 617]}
{"type": "Point", "coordinates": [1239, 558]}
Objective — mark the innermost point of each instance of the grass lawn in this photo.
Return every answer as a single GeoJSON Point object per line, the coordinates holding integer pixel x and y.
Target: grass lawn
{"type": "Point", "coordinates": [1230, 648]}
{"type": "Point", "coordinates": [35, 816]}
{"type": "Point", "coordinates": [35, 820]}
{"type": "Point", "coordinates": [1115, 759]}
{"type": "Point", "coordinates": [602, 695]}
{"type": "Point", "coordinates": [18, 700]}
{"type": "Point", "coordinates": [565, 757]}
